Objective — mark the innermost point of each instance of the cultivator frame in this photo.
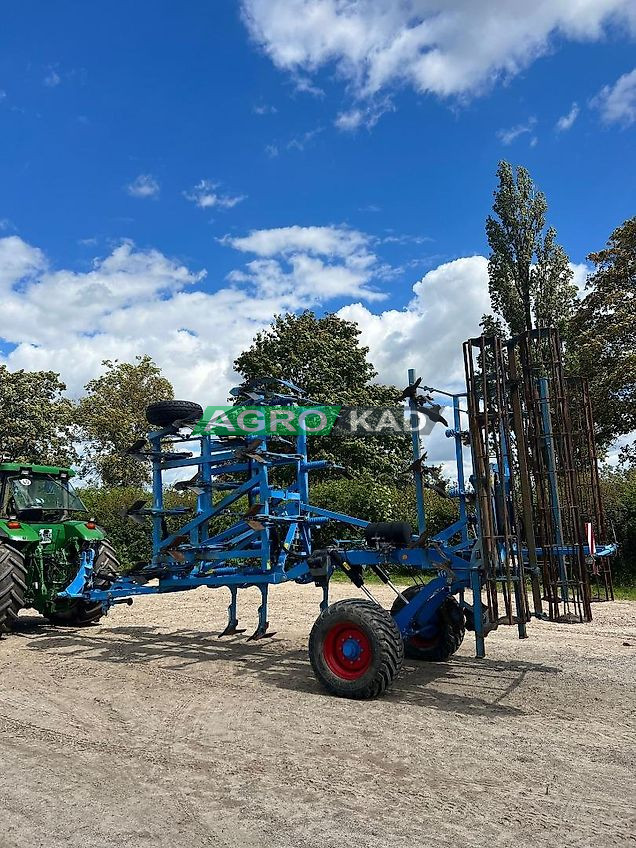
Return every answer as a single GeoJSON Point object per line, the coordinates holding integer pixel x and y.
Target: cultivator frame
{"type": "Point", "coordinates": [519, 522]}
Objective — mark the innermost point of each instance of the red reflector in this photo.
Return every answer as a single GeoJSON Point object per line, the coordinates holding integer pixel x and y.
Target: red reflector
{"type": "Point", "coordinates": [90, 524]}
{"type": "Point", "coordinates": [13, 525]}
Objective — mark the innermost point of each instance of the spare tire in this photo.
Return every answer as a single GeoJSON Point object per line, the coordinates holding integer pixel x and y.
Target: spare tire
{"type": "Point", "coordinates": [396, 533]}
{"type": "Point", "coordinates": [163, 413]}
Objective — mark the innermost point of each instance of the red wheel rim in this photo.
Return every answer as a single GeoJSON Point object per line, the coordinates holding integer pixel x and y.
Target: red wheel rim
{"type": "Point", "coordinates": [347, 651]}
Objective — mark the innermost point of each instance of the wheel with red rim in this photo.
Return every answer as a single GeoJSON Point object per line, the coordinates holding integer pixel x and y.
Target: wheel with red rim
{"type": "Point", "coordinates": [450, 628]}
{"type": "Point", "coordinates": [356, 649]}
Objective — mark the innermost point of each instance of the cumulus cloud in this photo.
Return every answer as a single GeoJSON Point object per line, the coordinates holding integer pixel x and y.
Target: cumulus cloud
{"type": "Point", "coordinates": [140, 301]}
{"type": "Point", "coordinates": [309, 262]}
{"type": "Point", "coordinates": [427, 335]}
{"type": "Point", "coordinates": [206, 196]}
{"type": "Point", "coordinates": [617, 102]}
{"type": "Point", "coordinates": [444, 47]}
{"type": "Point", "coordinates": [145, 185]}
{"type": "Point", "coordinates": [566, 121]}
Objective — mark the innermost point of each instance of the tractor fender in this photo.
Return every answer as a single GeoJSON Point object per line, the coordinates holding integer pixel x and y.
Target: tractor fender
{"type": "Point", "coordinates": [23, 533]}
{"type": "Point", "coordinates": [80, 530]}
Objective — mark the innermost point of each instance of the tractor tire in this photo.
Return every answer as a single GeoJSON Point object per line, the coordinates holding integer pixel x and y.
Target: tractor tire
{"type": "Point", "coordinates": [451, 629]}
{"type": "Point", "coordinates": [163, 413]}
{"type": "Point", "coordinates": [75, 613]}
{"type": "Point", "coordinates": [13, 580]}
{"type": "Point", "coordinates": [355, 649]}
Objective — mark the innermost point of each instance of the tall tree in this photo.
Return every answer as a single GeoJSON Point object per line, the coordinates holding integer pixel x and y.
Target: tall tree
{"type": "Point", "coordinates": [604, 336]}
{"type": "Point", "coordinates": [35, 419]}
{"type": "Point", "coordinates": [111, 415]}
{"type": "Point", "coordinates": [529, 278]}
{"type": "Point", "coordinates": [324, 356]}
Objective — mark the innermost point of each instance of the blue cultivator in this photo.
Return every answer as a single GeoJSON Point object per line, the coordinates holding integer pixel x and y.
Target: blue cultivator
{"type": "Point", "coordinates": [460, 575]}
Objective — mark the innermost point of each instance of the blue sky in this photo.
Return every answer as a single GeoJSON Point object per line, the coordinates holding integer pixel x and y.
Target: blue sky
{"type": "Point", "coordinates": [173, 174]}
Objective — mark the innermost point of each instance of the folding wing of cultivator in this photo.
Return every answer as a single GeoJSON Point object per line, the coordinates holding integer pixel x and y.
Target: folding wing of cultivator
{"type": "Point", "coordinates": [527, 515]}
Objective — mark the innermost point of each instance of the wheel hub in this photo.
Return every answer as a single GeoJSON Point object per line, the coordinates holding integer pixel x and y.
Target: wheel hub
{"type": "Point", "coordinates": [347, 651]}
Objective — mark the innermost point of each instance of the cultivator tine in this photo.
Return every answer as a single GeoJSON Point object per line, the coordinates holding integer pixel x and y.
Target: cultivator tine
{"type": "Point", "coordinates": [261, 631]}
{"type": "Point", "coordinates": [138, 449]}
{"type": "Point", "coordinates": [232, 628]}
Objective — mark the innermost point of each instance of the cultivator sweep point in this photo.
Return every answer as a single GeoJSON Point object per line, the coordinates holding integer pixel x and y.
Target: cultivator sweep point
{"type": "Point", "coordinates": [522, 519]}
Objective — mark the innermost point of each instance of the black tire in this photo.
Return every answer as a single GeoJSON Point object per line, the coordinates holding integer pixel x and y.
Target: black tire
{"type": "Point", "coordinates": [373, 632]}
{"type": "Point", "coordinates": [75, 613]}
{"type": "Point", "coordinates": [13, 580]}
{"type": "Point", "coordinates": [163, 413]}
{"type": "Point", "coordinates": [451, 629]}
{"type": "Point", "coordinates": [396, 533]}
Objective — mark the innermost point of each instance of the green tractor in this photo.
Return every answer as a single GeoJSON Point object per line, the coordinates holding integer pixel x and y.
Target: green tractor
{"type": "Point", "coordinates": [44, 528]}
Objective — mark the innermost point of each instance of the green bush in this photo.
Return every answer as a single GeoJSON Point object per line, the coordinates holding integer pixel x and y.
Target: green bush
{"type": "Point", "coordinates": [362, 498]}
{"type": "Point", "coordinates": [619, 497]}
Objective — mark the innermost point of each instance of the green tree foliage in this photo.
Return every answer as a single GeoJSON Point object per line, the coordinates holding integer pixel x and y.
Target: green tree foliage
{"type": "Point", "coordinates": [111, 416]}
{"type": "Point", "coordinates": [131, 540]}
{"type": "Point", "coordinates": [619, 498]}
{"type": "Point", "coordinates": [529, 279]}
{"type": "Point", "coordinates": [366, 498]}
{"type": "Point", "coordinates": [324, 357]}
{"type": "Point", "coordinates": [35, 419]}
{"type": "Point", "coordinates": [604, 336]}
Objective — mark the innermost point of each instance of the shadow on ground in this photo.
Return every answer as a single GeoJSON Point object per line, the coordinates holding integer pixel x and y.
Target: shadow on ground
{"type": "Point", "coordinates": [462, 685]}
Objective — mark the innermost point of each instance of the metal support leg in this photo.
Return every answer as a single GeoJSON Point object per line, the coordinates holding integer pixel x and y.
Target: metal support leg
{"type": "Point", "coordinates": [324, 604]}
{"type": "Point", "coordinates": [263, 623]}
{"type": "Point", "coordinates": [478, 613]}
{"type": "Point", "coordinates": [232, 618]}
{"type": "Point", "coordinates": [521, 617]}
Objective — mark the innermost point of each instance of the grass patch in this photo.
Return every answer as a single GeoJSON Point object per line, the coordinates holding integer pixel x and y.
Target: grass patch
{"type": "Point", "coordinates": [625, 593]}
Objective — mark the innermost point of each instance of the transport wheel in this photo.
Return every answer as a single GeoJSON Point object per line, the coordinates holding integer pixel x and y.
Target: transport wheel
{"type": "Point", "coordinates": [355, 649]}
{"type": "Point", "coordinates": [76, 613]}
{"type": "Point", "coordinates": [163, 413]}
{"type": "Point", "coordinates": [451, 628]}
{"type": "Point", "coordinates": [13, 580]}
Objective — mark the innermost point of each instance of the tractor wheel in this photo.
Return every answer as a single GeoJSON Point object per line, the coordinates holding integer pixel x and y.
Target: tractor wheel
{"type": "Point", "coordinates": [75, 613]}
{"type": "Point", "coordinates": [13, 579]}
{"type": "Point", "coordinates": [355, 649]}
{"type": "Point", "coordinates": [451, 628]}
{"type": "Point", "coordinates": [163, 413]}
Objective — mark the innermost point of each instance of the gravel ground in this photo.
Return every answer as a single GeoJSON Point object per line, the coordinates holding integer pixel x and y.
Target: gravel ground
{"type": "Point", "coordinates": [149, 731]}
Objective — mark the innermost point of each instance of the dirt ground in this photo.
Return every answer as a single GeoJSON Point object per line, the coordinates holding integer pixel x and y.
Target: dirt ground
{"type": "Point", "coordinates": [150, 731]}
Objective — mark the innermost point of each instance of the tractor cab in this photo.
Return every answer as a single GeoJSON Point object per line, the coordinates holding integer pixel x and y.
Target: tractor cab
{"type": "Point", "coordinates": [34, 493]}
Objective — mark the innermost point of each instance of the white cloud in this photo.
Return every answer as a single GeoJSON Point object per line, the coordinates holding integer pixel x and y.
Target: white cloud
{"type": "Point", "coordinates": [617, 102]}
{"type": "Point", "coordinates": [508, 136]}
{"type": "Point", "coordinates": [299, 142]}
{"type": "Point", "coordinates": [363, 115]}
{"type": "Point", "coordinates": [580, 271]}
{"type": "Point", "coordinates": [145, 185]}
{"type": "Point", "coordinates": [206, 196]}
{"type": "Point", "coordinates": [427, 335]}
{"type": "Point", "coordinates": [445, 47]}
{"type": "Point", "coordinates": [139, 301]}
{"type": "Point", "coordinates": [52, 78]}
{"type": "Point", "coordinates": [272, 150]}
{"type": "Point", "coordinates": [304, 85]}
{"type": "Point", "coordinates": [3, 93]}
{"type": "Point", "coordinates": [264, 109]}
{"type": "Point", "coordinates": [566, 121]}
{"type": "Point", "coordinates": [445, 310]}
{"type": "Point", "coordinates": [306, 263]}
